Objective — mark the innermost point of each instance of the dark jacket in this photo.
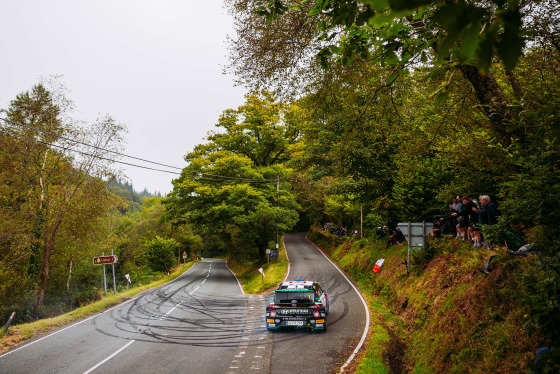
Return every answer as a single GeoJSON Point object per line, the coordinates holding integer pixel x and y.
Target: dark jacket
{"type": "Point", "coordinates": [488, 214]}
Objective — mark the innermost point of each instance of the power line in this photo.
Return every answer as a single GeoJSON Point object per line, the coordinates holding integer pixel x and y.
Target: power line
{"type": "Point", "coordinates": [86, 144]}
{"type": "Point", "coordinates": [85, 153]}
{"type": "Point", "coordinates": [203, 177]}
{"type": "Point", "coordinates": [246, 180]}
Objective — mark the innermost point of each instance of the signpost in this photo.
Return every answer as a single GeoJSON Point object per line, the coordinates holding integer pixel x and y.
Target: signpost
{"type": "Point", "coordinates": [415, 234]}
{"type": "Point", "coordinates": [105, 260]}
{"type": "Point", "coordinates": [273, 254]}
{"type": "Point", "coordinates": [184, 257]}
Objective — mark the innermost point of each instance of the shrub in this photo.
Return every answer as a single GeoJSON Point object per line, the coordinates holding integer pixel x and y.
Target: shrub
{"type": "Point", "coordinates": [160, 253]}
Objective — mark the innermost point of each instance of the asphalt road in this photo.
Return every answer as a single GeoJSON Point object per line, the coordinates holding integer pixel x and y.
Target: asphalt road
{"type": "Point", "coordinates": [202, 323]}
{"type": "Point", "coordinates": [303, 352]}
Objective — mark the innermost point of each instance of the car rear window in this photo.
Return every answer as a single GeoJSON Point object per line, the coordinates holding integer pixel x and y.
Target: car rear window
{"type": "Point", "coordinates": [294, 297]}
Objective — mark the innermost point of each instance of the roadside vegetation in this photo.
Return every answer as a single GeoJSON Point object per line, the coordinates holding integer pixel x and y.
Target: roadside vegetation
{"type": "Point", "coordinates": [25, 331]}
{"type": "Point", "coordinates": [355, 109]}
{"type": "Point", "coordinates": [251, 278]}
{"type": "Point", "coordinates": [446, 316]}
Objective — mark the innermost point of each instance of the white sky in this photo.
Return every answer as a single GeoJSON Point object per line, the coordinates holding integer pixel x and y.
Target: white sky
{"type": "Point", "coordinates": [155, 66]}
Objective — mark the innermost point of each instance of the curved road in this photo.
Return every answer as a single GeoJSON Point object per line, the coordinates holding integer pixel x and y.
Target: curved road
{"type": "Point", "coordinates": [303, 352]}
{"type": "Point", "coordinates": [202, 323]}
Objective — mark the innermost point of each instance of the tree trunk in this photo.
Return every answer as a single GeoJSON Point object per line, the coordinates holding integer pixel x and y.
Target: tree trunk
{"type": "Point", "coordinates": [494, 103]}
{"type": "Point", "coordinates": [489, 94]}
{"type": "Point", "coordinates": [69, 275]}
{"type": "Point", "coordinates": [49, 245]}
{"type": "Point", "coordinates": [44, 275]}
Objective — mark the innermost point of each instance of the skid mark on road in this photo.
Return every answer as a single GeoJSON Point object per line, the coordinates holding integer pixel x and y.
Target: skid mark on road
{"type": "Point", "coordinates": [255, 349]}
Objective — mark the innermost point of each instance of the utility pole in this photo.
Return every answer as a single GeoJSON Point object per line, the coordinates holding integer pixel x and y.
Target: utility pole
{"type": "Point", "coordinates": [114, 282]}
{"type": "Point", "coordinates": [277, 205]}
{"type": "Point", "coordinates": [361, 221]}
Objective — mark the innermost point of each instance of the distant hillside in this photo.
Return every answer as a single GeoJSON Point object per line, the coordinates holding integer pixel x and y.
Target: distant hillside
{"type": "Point", "coordinates": [126, 190]}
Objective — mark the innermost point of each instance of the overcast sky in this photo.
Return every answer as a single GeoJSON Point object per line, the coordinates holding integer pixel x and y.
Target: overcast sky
{"type": "Point", "coordinates": [155, 66]}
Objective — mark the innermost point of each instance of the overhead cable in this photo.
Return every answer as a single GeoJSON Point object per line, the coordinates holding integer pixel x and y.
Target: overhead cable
{"type": "Point", "coordinates": [202, 175]}
{"type": "Point", "coordinates": [124, 155]}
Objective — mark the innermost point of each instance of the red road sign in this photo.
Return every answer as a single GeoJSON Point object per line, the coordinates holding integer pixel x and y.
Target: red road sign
{"type": "Point", "coordinates": [104, 260]}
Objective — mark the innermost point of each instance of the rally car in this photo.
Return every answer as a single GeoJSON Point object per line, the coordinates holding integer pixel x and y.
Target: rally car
{"type": "Point", "coordinates": [298, 304]}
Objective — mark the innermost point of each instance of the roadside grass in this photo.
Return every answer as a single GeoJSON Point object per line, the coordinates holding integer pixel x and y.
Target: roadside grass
{"type": "Point", "coordinates": [355, 260]}
{"type": "Point", "coordinates": [252, 280]}
{"type": "Point", "coordinates": [445, 316]}
{"type": "Point", "coordinates": [18, 334]}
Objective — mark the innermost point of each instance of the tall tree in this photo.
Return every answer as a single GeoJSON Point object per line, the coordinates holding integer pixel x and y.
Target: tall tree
{"type": "Point", "coordinates": [55, 185]}
{"type": "Point", "coordinates": [232, 187]}
{"type": "Point", "coordinates": [276, 38]}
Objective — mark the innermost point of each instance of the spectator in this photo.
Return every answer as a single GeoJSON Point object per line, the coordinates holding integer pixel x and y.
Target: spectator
{"type": "Point", "coordinates": [490, 209]}
{"type": "Point", "coordinates": [395, 238]}
{"type": "Point", "coordinates": [473, 217]}
{"type": "Point", "coordinates": [391, 225]}
{"type": "Point", "coordinates": [456, 204]}
{"type": "Point", "coordinates": [476, 225]}
{"type": "Point", "coordinates": [463, 218]}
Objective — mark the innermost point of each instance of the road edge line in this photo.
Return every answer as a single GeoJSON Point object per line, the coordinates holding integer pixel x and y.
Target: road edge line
{"type": "Point", "coordinates": [366, 330]}
{"type": "Point", "coordinates": [108, 358]}
{"type": "Point", "coordinates": [95, 315]}
{"type": "Point", "coordinates": [238, 282]}
{"type": "Point", "coordinates": [287, 258]}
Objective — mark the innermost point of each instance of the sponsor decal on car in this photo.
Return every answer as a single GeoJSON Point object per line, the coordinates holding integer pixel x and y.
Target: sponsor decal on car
{"type": "Point", "coordinates": [293, 311]}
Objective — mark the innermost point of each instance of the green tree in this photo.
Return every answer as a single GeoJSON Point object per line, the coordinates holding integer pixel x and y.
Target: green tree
{"type": "Point", "coordinates": [56, 194]}
{"type": "Point", "coordinates": [160, 253]}
{"type": "Point", "coordinates": [275, 40]}
{"type": "Point", "coordinates": [231, 188]}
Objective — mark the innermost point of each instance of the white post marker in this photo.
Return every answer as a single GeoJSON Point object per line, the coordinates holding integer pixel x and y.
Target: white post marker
{"type": "Point", "coordinates": [127, 276]}
{"type": "Point", "coordinates": [262, 272]}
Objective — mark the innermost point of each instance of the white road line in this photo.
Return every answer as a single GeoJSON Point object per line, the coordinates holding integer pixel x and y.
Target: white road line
{"type": "Point", "coordinates": [172, 309]}
{"type": "Point", "coordinates": [48, 336]}
{"type": "Point", "coordinates": [193, 291]}
{"type": "Point", "coordinates": [238, 282]}
{"type": "Point", "coordinates": [287, 257]}
{"type": "Point", "coordinates": [108, 358]}
{"type": "Point", "coordinates": [359, 346]}
{"type": "Point", "coordinates": [96, 315]}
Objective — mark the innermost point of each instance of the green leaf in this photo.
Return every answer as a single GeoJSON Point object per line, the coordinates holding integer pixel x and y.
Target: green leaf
{"type": "Point", "coordinates": [486, 49]}
{"type": "Point", "coordinates": [378, 5]}
{"type": "Point", "coordinates": [442, 98]}
{"type": "Point", "coordinates": [470, 42]}
{"type": "Point", "coordinates": [394, 75]}
{"type": "Point", "coordinates": [381, 19]}
{"type": "Point", "coordinates": [511, 43]}
{"type": "Point", "coordinates": [400, 5]}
